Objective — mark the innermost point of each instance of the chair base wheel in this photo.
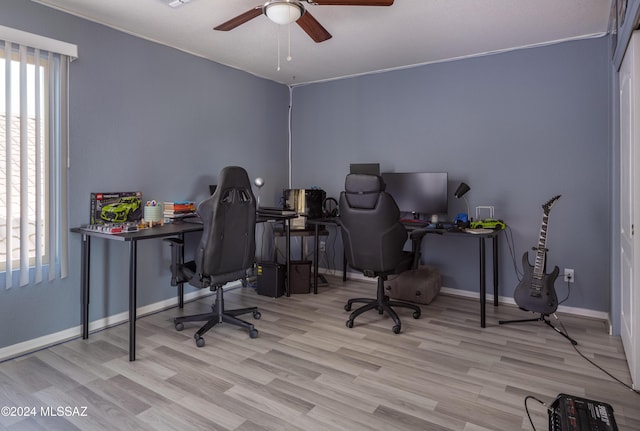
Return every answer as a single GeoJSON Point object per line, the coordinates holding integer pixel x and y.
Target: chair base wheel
{"type": "Point", "coordinates": [350, 323]}
{"type": "Point", "coordinates": [257, 315]}
{"type": "Point", "coordinates": [179, 326]}
{"type": "Point", "coordinates": [253, 333]}
{"type": "Point", "coordinates": [396, 329]}
{"type": "Point", "coordinates": [416, 314]}
{"type": "Point", "coordinates": [199, 341]}
{"type": "Point", "coordinates": [347, 307]}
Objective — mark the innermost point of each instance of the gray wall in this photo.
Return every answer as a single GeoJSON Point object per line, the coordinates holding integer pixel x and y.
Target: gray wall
{"type": "Point", "coordinates": [518, 127]}
{"type": "Point", "coordinates": [143, 117]}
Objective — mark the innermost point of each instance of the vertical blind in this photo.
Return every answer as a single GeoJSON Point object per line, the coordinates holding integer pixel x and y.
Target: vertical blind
{"type": "Point", "coordinates": [33, 163]}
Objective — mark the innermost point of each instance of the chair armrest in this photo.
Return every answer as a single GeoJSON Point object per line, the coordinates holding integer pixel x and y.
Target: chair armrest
{"type": "Point", "coordinates": [416, 236]}
{"type": "Point", "coordinates": [174, 241]}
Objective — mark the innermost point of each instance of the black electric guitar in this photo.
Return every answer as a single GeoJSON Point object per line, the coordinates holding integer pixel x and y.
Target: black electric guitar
{"type": "Point", "coordinates": [536, 292]}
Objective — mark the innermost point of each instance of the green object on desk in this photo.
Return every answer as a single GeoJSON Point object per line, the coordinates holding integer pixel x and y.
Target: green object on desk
{"type": "Point", "coordinates": [488, 224]}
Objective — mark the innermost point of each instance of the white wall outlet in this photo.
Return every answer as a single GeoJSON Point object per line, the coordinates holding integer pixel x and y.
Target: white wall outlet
{"type": "Point", "coordinates": [568, 275]}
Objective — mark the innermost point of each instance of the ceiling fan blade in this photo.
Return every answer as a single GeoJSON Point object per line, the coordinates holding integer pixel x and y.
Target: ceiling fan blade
{"type": "Point", "coordinates": [240, 19]}
{"type": "Point", "coordinates": [353, 2]}
{"type": "Point", "coordinates": [313, 28]}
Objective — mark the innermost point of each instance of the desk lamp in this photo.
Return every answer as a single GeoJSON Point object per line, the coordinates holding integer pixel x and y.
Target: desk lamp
{"type": "Point", "coordinates": [259, 182]}
{"type": "Point", "coordinates": [462, 189]}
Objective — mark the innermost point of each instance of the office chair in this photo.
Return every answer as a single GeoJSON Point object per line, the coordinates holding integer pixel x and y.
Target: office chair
{"type": "Point", "coordinates": [373, 240]}
{"type": "Point", "coordinates": [225, 253]}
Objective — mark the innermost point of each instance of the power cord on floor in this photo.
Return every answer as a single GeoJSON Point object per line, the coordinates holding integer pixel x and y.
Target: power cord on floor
{"type": "Point", "coordinates": [526, 408]}
{"type": "Point", "coordinates": [568, 293]}
{"type": "Point", "coordinates": [512, 246]}
{"type": "Point", "coordinates": [564, 329]}
{"type": "Point", "coordinates": [637, 392]}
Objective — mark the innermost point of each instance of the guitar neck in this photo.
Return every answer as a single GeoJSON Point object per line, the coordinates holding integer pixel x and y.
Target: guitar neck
{"type": "Point", "coordinates": [541, 250]}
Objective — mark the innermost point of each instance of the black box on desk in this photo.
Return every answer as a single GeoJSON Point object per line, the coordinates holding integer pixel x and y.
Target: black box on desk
{"type": "Point", "coordinates": [308, 203]}
{"type": "Point", "coordinates": [300, 280]}
{"type": "Point", "coordinates": [270, 279]}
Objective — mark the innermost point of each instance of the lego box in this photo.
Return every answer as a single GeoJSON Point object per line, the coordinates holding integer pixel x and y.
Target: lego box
{"type": "Point", "coordinates": [119, 207]}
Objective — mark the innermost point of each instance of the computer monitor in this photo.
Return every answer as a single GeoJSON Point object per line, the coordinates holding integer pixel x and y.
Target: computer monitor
{"type": "Point", "coordinates": [364, 168]}
{"type": "Point", "coordinates": [419, 194]}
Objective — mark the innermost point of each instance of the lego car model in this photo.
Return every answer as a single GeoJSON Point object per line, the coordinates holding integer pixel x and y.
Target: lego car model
{"type": "Point", "coordinates": [118, 212]}
{"type": "Point", "coordinates": [488, 224]}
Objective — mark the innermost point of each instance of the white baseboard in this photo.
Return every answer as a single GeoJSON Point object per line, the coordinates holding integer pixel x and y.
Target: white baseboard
{"type": "Point", "coordinates": [582, 312]}
{"type": "Point", "coordinates": [45, 341]}
{"type": "Point", "coordinates": [575, 311]}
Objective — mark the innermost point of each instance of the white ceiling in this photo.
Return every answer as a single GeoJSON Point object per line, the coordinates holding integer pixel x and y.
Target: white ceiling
{"type": "Point", "coordinates": [365, 39]}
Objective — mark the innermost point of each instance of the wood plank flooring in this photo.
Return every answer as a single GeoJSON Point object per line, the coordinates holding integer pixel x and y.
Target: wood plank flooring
{"type": "Point", "coordinates": [308, 371]}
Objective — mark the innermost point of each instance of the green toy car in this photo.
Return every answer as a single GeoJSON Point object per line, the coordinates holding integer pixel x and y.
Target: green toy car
{"type": "Point", "coordinates": [488, 224]}
{"type": "Point", "coordinates": [119, 212]}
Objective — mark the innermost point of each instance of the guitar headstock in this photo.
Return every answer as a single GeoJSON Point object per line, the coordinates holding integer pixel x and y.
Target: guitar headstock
{"type": "Point", "coordinates": [547, 206]}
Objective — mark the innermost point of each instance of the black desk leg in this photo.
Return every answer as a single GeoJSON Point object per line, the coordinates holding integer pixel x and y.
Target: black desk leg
{"type": "Point", "coordinates": [86, 260]}
{"type": "Point", "coordinates": [132, 299]}
{"type": "Point", "coordinates": [483, 284]}
{"type": "Point", "coordinates": [181, 285]}
{"type": "Point", "coordinates": [495, 269]}
{"type": "Point", "coordinates": [316, 257]}
{"type": "Point", "coordinates": [344, 266]}
{"type": "Point", "coordinates": [288, 257]}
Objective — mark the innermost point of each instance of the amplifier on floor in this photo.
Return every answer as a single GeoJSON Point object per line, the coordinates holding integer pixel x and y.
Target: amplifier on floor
{"type": "Point", "coordinates": [570, 413]}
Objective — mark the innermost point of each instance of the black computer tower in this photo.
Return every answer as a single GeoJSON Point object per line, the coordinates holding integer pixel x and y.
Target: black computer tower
{"type": "Point", "coordinates": [270, 279]}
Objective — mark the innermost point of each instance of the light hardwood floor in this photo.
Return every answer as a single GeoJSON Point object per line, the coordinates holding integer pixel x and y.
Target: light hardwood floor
{"type": "Point", "coordinates": [308, 371]}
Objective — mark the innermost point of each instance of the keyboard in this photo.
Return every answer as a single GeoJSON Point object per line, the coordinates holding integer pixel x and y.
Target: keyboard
{"type": "Point", "coordinates": [275, 211]}
{"type": "Point", "coordinates": [414, 222]}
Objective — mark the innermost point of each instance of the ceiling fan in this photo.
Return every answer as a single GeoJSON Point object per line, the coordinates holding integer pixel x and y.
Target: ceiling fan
{"type": "Point", "coordinates": [289, 11]}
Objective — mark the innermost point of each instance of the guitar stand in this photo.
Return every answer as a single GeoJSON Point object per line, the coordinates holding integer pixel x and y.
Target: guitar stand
{"type": "Point", "coordinates": [542, 318]}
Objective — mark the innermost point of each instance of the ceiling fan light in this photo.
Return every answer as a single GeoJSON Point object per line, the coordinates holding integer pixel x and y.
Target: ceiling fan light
{"type": "Point", "coordinates": [283, 11]}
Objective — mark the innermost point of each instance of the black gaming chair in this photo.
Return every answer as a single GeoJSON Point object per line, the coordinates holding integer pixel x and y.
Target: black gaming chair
{"type": "Point", "coordinates": [225, 253]}
{"type": "Point", "coordinates": [374, 240]}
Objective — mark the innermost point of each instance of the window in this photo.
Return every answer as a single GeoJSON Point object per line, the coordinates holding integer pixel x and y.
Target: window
{"type": "Point", "coordinates": [33, 163]}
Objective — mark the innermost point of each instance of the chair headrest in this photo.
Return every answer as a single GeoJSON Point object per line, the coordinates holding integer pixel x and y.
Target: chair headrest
{"type": "Point", "coordinates": [235, 175]}
{"type": "Point", "coordinates": [364, 183]}
{"type": "Point", "coordinates": [362, 190]}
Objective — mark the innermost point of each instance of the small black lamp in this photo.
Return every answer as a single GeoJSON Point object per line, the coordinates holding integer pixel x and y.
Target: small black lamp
{"type": "Point", "coordinates": [462, 220]}
{"type": "Point", "coordinates": [461, 190]}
